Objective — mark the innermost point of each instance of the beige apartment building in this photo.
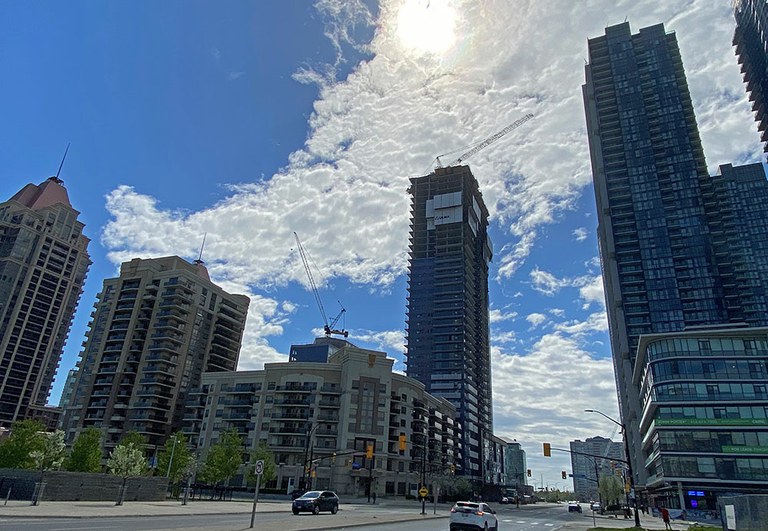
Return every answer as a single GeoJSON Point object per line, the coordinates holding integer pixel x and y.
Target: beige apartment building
{"type": "Point", "coordinates": [43, 264]}
{"type": "Point", "coordinates": [322, 420]}
{"type": "Point", "coordinates": [154, 331]}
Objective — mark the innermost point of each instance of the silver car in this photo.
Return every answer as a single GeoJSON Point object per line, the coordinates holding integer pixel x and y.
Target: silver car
{"type": "Point", "coordinates": [473, 516]}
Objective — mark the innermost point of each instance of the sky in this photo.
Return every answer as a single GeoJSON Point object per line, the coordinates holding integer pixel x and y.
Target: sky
{"type": "Point", "coordinates": [249, 121]}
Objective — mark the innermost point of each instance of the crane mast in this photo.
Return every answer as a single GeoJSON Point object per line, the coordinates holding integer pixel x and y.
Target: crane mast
{"type": "Point", "coordinates": [488, 141]}
{"type": "Point", "coordinates": [328, 328]}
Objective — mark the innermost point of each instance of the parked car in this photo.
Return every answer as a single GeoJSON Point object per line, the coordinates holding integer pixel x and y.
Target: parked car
{"type": "Point", "coordinates": [473, 516]}
{"type": "Point", "coordinates": [595, 506]}
{"type": "Point", "coordinates": [574, 507]}
{"type": "Point", "coordinates": [314, 501]}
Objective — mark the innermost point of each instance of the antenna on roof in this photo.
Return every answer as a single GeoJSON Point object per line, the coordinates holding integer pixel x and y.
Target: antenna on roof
{"type": "Point", "coordinates": [62, 163]}
{"type": "Point", "coordinates": [200, 257]}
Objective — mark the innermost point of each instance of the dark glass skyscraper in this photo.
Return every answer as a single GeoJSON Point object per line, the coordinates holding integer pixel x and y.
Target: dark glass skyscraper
{"type": "Point", "coordinates": [681, 251]}
{"type": "Point", "coordinates": [751, 42]}
{"type": "Point", "coordinates": [447, 323]}
{"type": "Point", "coordinates": [43, 264]}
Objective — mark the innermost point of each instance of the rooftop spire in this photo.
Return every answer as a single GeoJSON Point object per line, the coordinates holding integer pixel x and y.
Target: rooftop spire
{"type": "Point", "coordinates": [59, 181]}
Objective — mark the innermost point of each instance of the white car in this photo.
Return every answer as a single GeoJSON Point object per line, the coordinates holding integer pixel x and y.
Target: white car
{"type": "Point", "coordinates": [473, 516]}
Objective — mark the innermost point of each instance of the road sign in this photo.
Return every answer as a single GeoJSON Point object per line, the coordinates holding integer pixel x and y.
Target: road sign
{"type": "Point", "coordinates": [423, 492]}
{"type": "Point", "coordinates": [259, 467]}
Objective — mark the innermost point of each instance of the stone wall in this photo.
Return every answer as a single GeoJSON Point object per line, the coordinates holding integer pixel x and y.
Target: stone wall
{"type": "Point", "coordinates": [74, 486]}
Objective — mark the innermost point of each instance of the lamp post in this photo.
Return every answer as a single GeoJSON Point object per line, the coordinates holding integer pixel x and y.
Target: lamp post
{"type": "Point", "coordinates": [170, 461]}
{"type": "Point", "coordinates": [629, 459]}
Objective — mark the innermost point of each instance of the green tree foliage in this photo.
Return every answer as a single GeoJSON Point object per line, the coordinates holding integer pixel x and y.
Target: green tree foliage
{"type": "Point", "coordinates": [51, 454]}
{"type": "Point", "coordinates": [26, 437]}
{"type": "Point", "coordinates": [134, 438]}
{"type": "Point", "coordinates": [126, 461]}
{"type": "Point", "coordinates": [223, 459]}
{"type": "Point", "coordinates": [137, 441]}
{"type": "Point", "coordinates": [86, 452]}
{"type": "Point", "coordinates": [611, 489]}
{"type": "Point", "coordinates": [176, 455]}
{"type": "Point", "coordinates": [270, 469]}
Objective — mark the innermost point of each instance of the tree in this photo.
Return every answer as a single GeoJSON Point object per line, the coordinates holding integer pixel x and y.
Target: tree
{"type": "Point", "coordinates": [137, 441]}
{"type": "Point", "coordinates": [135, 438]}
{"type": "Point", "coordinates": [611, 489]}
{"type": "Point", "coordinates": [177, 455]}
{"type": "Point", "coordinates": [49, 457]}
{"type": "Point", "coordinates": [224, 459]}
{"type": "Point", "coordinates": [26, 437]}
{"type": "Point", "coordinates": [126, 461]}
{"type": "Point", "coordinates": [262, 452]}
{"type": "Point", "coordinates": [86, 452]}
{"type": "Point", "coordinates": [51, 454]}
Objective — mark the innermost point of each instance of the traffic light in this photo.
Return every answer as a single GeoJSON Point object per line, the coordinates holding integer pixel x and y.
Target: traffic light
{"type": "Point", "coordinates": [402, 442]}
{"type": "Point", "coordinates": [565, 476]}
{"type": "Point", "coordinates": [369, 451]}
{"type": "Point", "coordinates": [529, 472]}
{"type": "Point", "coordinates": [547, 450]}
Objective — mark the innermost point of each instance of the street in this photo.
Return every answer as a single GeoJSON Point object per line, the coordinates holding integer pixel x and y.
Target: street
{"type": "Point", "coordinates": [544, 517]}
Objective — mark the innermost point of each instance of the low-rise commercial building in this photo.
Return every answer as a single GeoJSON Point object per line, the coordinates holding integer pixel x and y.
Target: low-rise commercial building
{"type": "Point", "coordinates": [704, 422]}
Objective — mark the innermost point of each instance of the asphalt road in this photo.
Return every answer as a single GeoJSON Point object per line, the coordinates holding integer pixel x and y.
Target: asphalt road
{"type": "Point", "coordinates": [545, 518]}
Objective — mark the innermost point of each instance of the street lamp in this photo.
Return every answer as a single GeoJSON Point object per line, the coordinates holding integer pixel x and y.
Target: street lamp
{"type": "Point", "coordinates": [170, 461]}
{"type": "Point", "coordinates": [629, 459]}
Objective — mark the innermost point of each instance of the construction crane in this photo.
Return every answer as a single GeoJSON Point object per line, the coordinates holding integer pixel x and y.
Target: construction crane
{"type": "Point", "coordinates": [328, 327]}
{"type": "Point", "coordinates": [487, 142]}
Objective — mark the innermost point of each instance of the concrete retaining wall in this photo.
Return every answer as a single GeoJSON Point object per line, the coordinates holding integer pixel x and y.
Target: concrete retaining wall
{"type": "Point", "coordinates": [74, 486]}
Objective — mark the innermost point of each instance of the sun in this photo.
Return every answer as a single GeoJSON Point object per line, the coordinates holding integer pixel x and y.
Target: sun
{"type": "Point", "coordinates": [427, 26]}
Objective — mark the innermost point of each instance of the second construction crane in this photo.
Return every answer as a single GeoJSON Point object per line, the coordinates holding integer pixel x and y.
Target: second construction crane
{"type": "Point", "coordinates": [328, 327]}
{"type": "Point", "coordinates": [487, 142]}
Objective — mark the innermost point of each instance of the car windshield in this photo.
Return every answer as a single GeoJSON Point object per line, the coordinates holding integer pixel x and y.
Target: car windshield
{"type": "Point", "coordinates": [309, 495]}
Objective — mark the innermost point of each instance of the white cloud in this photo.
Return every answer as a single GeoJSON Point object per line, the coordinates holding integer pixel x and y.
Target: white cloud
{"type": "Point", "coordinates": [497, 316]}
{"type": "Point", "coordinates": [545, 282]}
{"type": "Point", "coordinates": [538, 394]}
{"type": "Point", "coordinates": [536, 319]}
{"type": "Point", "coordinates": [580, 234]}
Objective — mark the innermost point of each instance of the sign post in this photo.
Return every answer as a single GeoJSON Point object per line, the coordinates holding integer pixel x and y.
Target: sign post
{"type": "Point", "coordinates": [423, 492]}
{"type": "Point", "coordinates": [259, 469]}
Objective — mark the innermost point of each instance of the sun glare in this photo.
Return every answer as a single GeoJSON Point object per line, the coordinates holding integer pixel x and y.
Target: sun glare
{"type": "Point", "coordinates": [426, 26]}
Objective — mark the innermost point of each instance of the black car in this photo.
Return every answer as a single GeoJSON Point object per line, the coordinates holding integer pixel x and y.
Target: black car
{"type": "Point", "coordinates": [314, 501]}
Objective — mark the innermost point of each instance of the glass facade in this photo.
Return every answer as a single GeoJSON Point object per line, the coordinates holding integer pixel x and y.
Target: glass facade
{"type": "Point", "coordinates": [447, 325]}
{"type": "Point", "coordinates": [705, 413]}
{"type": "Point", "coordinates": [681, 250]}
{"type": "Point", "coordinates": [751, 42]}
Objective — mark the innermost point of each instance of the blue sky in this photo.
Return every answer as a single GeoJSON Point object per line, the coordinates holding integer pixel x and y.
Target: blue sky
{"type": "Point", "coordinates": [250, 120]}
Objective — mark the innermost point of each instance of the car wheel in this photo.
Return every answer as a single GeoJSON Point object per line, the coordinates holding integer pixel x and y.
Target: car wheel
{"type": "Point", "coordinates": [334, 509]}
{"type": "Point", "coordinates": [316, 509]}
{"type": "Point", "coordinates": [295, 511]}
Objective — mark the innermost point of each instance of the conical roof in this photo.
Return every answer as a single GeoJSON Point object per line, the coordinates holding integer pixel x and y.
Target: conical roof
{"type": "Point", "coordinates": [50, 192]}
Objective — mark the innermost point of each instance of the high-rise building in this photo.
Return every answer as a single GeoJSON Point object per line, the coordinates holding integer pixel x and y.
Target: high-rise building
{"type": "Point", "coordinates": [447, 322]}
{"type": "Point", "coordinates": [155, 329]}
{"type": "Point", "coordinates": [43, 264]}
{"type": "Point", "coordinates": [681, 252]}
{"type": "Point", "coordinates": [751, 42]}
{"type": "Point", "coordinates": [591, 459]}
{"type": "Point", "coordinates": [514, 466]}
